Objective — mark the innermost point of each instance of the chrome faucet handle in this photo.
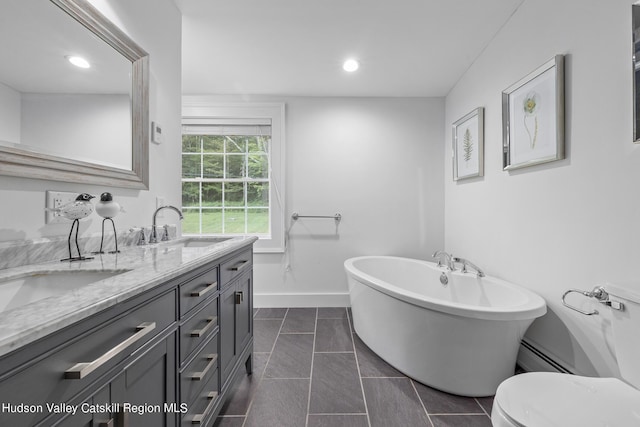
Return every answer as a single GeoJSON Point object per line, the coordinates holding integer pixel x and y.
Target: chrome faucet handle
{"type": "Point", "coordinates": [141, 239]}
{"type": "Point", "coordinates": [165, 234]}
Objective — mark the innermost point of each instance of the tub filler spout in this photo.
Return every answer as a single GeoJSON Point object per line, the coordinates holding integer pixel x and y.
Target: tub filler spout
{"type": "Point", "coordinates": [466, 263]}
{"type": "Point", "coordinates": [448, 259]}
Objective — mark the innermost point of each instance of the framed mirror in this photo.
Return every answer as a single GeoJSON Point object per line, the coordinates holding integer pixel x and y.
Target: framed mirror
{"type": "Point", "coordinates": [63, 123]}
{"type": "Point", "coordinates": [635, 37]}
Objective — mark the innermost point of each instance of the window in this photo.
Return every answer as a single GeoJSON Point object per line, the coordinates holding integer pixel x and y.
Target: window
{"type": "Point", "coordinates": [232, 173]}
{"type": "Point", "coordinates": [225, 180]}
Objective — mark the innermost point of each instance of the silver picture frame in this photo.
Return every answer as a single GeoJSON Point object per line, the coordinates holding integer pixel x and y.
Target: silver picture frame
{"type": "Point", "coordinates": [533, 117]}
{"type": "Point", "coordinates": [468, 145]}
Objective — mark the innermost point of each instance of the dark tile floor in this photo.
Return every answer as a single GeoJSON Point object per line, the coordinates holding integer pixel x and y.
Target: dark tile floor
{"type": "Point", "coordinates": [312, 370]}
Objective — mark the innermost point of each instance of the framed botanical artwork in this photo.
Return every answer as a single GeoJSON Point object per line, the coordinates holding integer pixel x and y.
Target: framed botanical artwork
{"type": "Point", "coordinates": [533, 117]}
{"type": "Point", "coordinates": [468, 145]}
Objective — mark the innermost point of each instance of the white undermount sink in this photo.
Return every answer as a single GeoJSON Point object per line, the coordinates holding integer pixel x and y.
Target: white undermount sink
{"type": "Point", "coordinates": [18, 291]}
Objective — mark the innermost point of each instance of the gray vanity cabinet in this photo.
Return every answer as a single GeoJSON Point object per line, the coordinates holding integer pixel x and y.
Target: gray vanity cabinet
{"type": "Point", "coordinates": [149, 384]}
{"type": "Point", "coordinates": [216, 332]}
{"type": "Point", "coordinates": [169, 352]}
{"type": "Point", "coordinates": [146, 384]}
{"type": "Point", "coordinates": [236, 315]}
{"type": "Point", "coordinates": [199, 356]}
{"type": "Point", "coordinates": [71, 366]}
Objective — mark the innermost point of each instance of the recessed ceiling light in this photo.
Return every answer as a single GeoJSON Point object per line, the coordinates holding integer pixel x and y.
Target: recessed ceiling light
{"type": "Point", "coordinates": [350, 65]}
{"type": "Point", "coordinates": [78, 61]}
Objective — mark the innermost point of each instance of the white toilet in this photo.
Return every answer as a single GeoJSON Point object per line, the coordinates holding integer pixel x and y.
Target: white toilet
{"type": "Point", "coordinates": [544, 399]}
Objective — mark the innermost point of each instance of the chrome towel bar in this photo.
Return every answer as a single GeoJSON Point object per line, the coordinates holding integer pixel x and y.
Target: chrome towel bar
{"type": "Point", "coordinates": [599, 293]}
{"type": "Point", "coordinates": [337, 217]}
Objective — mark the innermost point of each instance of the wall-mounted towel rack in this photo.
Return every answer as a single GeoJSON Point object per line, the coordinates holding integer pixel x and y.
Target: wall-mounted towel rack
{"type": "Point", "coordinates": [337, 217]}
{"type": "Point", "coordinates": [599, 293]}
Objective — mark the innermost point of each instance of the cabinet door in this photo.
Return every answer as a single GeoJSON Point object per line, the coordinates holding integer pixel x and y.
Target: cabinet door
{"type": "Point", "coordinates": [236, 322]}
{"type": "Point", "coordinates": [227, 349]}
{"type": "Point", "coordinates": [244, 311]}
{"type": "Point", "coordinates": [146, 390]}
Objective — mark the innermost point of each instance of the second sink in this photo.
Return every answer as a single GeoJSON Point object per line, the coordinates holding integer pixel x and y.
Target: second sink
{"type": "Point", "coordinates": [18, 291]}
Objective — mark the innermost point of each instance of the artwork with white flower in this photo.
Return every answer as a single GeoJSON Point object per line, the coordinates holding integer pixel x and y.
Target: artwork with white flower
{"type": "Point", "coordinates": [533, 117]}
{"type": "Point", "coordinates": [530, 106]}
{"type": "Point", "coordinates": [468, 145]}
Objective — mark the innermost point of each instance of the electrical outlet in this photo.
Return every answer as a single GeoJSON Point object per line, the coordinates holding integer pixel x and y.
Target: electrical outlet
{"type": "Point", "coordinates": [55, 200]}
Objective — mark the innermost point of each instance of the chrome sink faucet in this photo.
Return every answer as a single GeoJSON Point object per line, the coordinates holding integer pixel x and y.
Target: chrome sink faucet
{"type": "Point", "coordinates": [154, 235]}
{"type": "Point", "coordinates": [439, 255]}
{"type": "Point", "coordinates": [466, 263]}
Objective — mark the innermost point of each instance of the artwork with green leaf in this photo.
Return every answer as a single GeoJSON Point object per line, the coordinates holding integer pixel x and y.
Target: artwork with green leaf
{"type": "Point", "coordinates": [468, 145]}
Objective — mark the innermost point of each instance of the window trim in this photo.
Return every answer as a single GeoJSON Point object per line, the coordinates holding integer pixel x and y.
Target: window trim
{"type": "Point", "coordinates": [206, 107]}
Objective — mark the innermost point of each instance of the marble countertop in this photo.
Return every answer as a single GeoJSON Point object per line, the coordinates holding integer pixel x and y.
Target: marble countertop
{"type": "Point", "coordinates": [139, 268]}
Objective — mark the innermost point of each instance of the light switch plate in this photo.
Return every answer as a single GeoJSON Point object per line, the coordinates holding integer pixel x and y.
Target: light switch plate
{"type": "Point", "coordinates": [156, 132]}
{"type": "Point", "coordinates": [160, 201]}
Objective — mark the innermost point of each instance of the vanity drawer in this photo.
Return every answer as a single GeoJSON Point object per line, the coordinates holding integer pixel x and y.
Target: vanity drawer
{"type": "Point", "coordinates": [204, 404]}
{"type": "Point", "coordinates": [201, 371]}
{"type": "Point", "coordinates": [235, 266]}
{"type": "Point", "coordinates": [62, 372]}
{"type": "Point", "coordinates": [198, 290]}
{"type": "Point", "coordinates": [198, 329]}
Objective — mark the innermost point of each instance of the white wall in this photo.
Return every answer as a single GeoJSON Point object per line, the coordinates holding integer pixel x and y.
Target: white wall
{"type": "Point", "coordinates": [88, 127]}
{"type": "Point", "coordinates": [571, 223]}
{"type": "Point", "coordinates": [9, 114]}
{"type": "Point", "coordinates": [163, 43]}
{"type": "Point", "coordinates": [377, 162]}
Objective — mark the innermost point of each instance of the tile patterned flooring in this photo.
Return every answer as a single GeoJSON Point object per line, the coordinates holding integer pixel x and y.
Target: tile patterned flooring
{"type": "Point", "coordinates": [311, 370]}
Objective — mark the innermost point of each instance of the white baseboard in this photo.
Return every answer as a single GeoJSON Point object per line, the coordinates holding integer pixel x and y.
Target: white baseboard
{"type": "Point", "coordinates": [300, 300]}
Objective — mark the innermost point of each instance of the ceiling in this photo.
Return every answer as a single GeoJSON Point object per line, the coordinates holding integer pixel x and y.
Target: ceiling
{"type": "Point", "coordinates": [34, 60]}
{"type": "Point", "coordinates": [296, 47]}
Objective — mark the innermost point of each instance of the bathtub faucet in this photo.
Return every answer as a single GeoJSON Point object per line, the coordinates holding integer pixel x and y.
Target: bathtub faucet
{"type": "Point", "coordinates": [466, 263]}
{"type": "Point", "coordinates": [439, 255]}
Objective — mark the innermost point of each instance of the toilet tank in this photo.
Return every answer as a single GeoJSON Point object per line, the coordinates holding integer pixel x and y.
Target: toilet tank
{"type": "Point", "coordinates": [626, 324]}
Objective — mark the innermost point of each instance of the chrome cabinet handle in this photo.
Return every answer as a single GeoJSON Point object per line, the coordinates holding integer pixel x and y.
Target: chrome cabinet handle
{"type": "Point", "coordinates": [239, 297]}
{"type": "Point", "coordinates": [198, 376]}
{"type": "Point", "coordinates": [209, 287]}
{"type": "Point", "coordinates": [240, 266]}
{"type": "Point", "coordinates": [81, 370]}
{"type": "Point", "coordinates": [123, 418]}
{"type": "Point", "coordinates": [197, 419]}
{"type": "Point", "coordinates": [211, 322]}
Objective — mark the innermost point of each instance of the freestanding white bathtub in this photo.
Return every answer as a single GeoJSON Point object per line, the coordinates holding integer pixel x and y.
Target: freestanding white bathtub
{"type": "Point", "coordinates": [462, 337]}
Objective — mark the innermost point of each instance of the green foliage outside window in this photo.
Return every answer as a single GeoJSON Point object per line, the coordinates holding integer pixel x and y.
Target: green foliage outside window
{"type": "Point", "coordinates": [225, 184]}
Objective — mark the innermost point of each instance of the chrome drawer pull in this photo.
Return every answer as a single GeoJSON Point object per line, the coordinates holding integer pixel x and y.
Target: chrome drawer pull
{"type": "Point", "coordinates": [208, 288]}
{"type": "Point", "coordinates": [198, 376]}
{"type": "Point", "coordinates": [197, 419]}
{"type": "Point", "coordinates": [239, 297]}
{"type": "Point", "coordinates": [81, 370]}
{"type": "Point", "coordinates": [211, 322]}
{"type": "Point", "coordinates": [240, 266]}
